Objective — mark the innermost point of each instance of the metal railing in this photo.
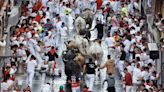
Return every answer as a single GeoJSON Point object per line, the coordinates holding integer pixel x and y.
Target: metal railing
{"type": "Point", "coordinates": [11, 21]}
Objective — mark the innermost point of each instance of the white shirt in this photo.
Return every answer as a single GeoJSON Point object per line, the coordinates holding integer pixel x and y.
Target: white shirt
{"type": "Point", "coordinates": [141, 63]}
{"type": "Point", "coordinates": [70, 22]}
{"type": "Point", "coordinates": [93, 35]}
{"type": "Point", "coordinates": [4, 86]}
{"type": "Point", "coordinates": [55, 21]}
{"type": "Point", "coordinates": [15, 42]}
{"type": "Point", "coordinates": [133, 40]}
{"type": "Point", "coordinates": [133, 32]}
{"type": "Point", "coordinates": [48, 14]}
{"type": "Point", "coordinates": [100, 17]}
{"type": "Point", "coordinates": [10, 82]}
{"type": "Point", "coordinates": [138, 38]}
{"type": "Point", "coordinates": [22, 53]}
{"type": "Point", "coordinates": [79, 4]}
{"type": "Point", "coordinates": [127, 44]}
{"type": "Point", "coordinates": [137, 55]}
{"type": "Point", "coordinates": [136, 74]}
{"type": "Point", "coordinates": [62, 10]}
{"type": "Point", "coordinates": [12, 71]}
{"type": "Point", "coordinates": [2, 43]}
{"type": "Point", "coordinates": [137, 28]}
{"type": "Point", "coordinates": [44, 20]}
{"type": "Point", "coordinates": [58, 25]}
{"type": "Point", "coordinates": [86, 4]}
{"type": "Point", "coordinates": [116, 6]}
{"type": "Point", "coordinates": [145, 75]}
{"type": "Point", "coordinates": [46, 41]}
{"type": "Point", "coordinates": [46, 88]}
{"type": "Point", "coordinates": [77, 11]}
{"type": "Point", "coordinates": [63, 31]}
{"type": "Point", "coordinates": [130, 8]}
{"type": "Point", "coordinates": [130, 69]}
{"type": "Point", "coordinates": [144, 56]}
{"type": "Point", "coordinates": [109, 41]}
{"type": "Point", "coordinates": [50, 4]}
{"type": "Point", "coordinates": [31, 65]}
{"type": "Point", "coordinates": [30, 45]}
{"type": "Point", "coordinates": [44, 2]}
{"type": "Point", "coordinates": [152, 69]}
{"type": "Point", "coordinates": [152, 77]}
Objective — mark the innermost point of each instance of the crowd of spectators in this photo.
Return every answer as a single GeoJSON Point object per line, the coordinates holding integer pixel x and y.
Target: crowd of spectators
{"type": "Point", "coordinates": [41, 22]}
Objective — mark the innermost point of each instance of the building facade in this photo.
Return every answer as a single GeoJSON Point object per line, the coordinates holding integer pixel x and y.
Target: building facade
{"type": "Point", "coordinates": [159, 7]}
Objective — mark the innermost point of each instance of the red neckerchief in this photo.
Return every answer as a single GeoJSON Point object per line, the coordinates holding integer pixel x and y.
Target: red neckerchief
{"type": "Point", "coordinates": [52, 51]}
{"type": "Point", "coordinates": [31, 60]}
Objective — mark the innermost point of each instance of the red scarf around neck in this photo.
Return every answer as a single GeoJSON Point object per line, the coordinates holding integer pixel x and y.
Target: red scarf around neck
{"type": "Point", "coordinates": [52, 51]}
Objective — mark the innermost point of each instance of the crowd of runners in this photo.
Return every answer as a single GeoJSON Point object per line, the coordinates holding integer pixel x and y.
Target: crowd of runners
{"type": "Point", "coordinates": [44, 27]}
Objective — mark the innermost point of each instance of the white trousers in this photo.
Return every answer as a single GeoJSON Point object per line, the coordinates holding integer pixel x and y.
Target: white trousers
{"type": "Point", "coordinates": [128, 89]}
{"type": "Point", "coordinates": [121, 67]}
{"type": "Point", "coordinates": [134, 88]}
{"type": "Point", "coordinates": [76, 89]}
{"type": "Point", "coordinates": [51, 67]}
{"type": "Point", "coordinates": [39, 60]}
{"type": "Point", "coordinates": [30, 76]}
{"type": "Point", "coordinates": [63, 40]}
{"type": "Point", "coordinates": [90, 81]}
{"type": "Point", "coordinates": [43, 77]}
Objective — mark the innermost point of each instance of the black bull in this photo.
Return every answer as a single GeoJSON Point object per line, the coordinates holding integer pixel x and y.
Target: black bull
{"type": "Point", "coordinates": [71, 67]}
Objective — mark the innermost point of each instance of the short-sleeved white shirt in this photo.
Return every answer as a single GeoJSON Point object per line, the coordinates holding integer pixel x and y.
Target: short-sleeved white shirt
{"type": "Point", "coordinates": [31, 65]}
{"type": "Point", "coordinates": [136, 74]}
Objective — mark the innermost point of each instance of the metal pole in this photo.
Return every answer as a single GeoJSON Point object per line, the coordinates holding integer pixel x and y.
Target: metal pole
{"type": "Point", "coordinates": [162, 64]}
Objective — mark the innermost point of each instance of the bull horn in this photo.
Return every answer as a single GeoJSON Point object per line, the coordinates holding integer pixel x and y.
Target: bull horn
{"type": "Point", "coordinates": [66, 43]}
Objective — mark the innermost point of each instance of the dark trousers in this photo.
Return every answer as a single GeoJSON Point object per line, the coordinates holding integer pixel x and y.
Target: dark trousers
{"type": "Point", "coordinates": [100, 35]}
{"type": "Point", "coordinates": [111, 89]}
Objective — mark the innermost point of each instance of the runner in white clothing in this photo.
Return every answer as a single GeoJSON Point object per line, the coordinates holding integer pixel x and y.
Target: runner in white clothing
{"type": "Point", "coordinates": [31, 64]}
{"type": "Point", "coordinates": [46, 88]}
{"type": "Point", "coordinates": [63, 33]}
